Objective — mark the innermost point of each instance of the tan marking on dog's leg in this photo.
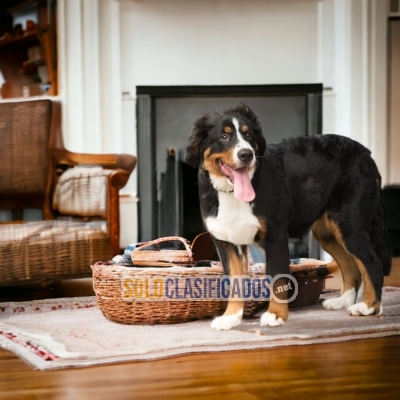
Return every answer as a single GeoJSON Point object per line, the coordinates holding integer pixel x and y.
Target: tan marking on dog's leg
{"type": "Point", "coordinates": [238, 267]}
{"type": "Point", "coordinates": [370, 304]}
{"type": "Point", "coordinates": [330, 238]}
{"type": "Point", "coordinates": [234, 306]}
{"type": "Point", "coordinates": [281, 310]}
{"type": "Point", "coordinates": [278, 312]}
{"type": "Point", "coordinates": [234, 312]}
{"type": "Point", "coordinates": [276, 315]}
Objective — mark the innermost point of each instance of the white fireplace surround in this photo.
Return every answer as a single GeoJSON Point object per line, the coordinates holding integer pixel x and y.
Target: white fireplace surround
{"type": "Point", "coordinates": [108, 47]}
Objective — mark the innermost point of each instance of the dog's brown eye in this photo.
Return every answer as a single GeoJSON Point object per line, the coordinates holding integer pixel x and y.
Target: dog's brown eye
{"type": "Point", "coordinates": [224, 137]}
{"type": "Point", "coordinates": [248, 135]}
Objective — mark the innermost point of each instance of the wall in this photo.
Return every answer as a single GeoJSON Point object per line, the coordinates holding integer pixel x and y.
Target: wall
{"type": "Point", "coordinates": [222, 42]}
{"type": "Point", "coordinates": [394, 100]}
{"type": "Point", "coordinates": [108, 47]}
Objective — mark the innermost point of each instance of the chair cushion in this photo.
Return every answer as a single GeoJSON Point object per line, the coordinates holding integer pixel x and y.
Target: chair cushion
{"type": "Point", "coordinates": [82, 191]}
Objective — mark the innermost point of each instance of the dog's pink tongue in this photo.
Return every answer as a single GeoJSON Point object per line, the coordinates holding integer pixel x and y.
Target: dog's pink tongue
{"type": "Point", "coordinates": [242, 188]}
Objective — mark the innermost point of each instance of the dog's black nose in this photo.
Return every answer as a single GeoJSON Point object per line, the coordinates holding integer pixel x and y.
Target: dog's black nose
{"type": "Point", "coordinates": [245, 155]}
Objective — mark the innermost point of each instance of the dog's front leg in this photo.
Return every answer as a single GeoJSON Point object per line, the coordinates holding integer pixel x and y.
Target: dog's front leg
{"type": "Point", "coordinates": [234, 260]}
{"type": "Point", "coordinates": [277, 257]}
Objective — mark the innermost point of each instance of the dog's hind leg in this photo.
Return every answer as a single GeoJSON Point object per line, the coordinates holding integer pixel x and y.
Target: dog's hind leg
{"type": "Point", "coordinates": [371, 270]}
{"type": "Point", "coordinates": [363, 236]}
{"type": "Point", "coordinates": [234, 260]}
{"type": "Point", "coordinates": [322, 230]}
{"type": "Point", "coordinates": [357, 243]}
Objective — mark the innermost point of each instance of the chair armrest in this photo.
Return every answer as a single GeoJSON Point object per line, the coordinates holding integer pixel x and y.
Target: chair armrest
{"type": "Point", "coordinates": [122, 164]}
{"type": "Point", "coordinates": [116, 180]}
{"type": "Point", "coordinates": [125, 162]}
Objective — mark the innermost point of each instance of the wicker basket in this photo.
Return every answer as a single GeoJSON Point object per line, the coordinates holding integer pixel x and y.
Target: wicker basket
{"type": "Point", "coordinates": [107, 286]}
{"type": "Point", "coordinates": [166, 258]}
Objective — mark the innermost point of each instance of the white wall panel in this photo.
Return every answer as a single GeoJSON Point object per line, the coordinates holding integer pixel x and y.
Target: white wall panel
{"type": "Point", "coordinates": [72, 73]}
{"type": "Point", "coordinates": [222, 42]}
{"type": "Point", "coordinates": [90, 74]}
{"type": "Point", "coordinates": [91, 89]}
{"type": "Point", "coordinates": [110, 77]}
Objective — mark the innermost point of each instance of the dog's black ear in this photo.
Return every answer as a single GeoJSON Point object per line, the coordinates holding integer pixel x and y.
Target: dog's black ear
{"type": "Point", "coordinates": [261, 144]}
{"type": "Point", "coordinates": [198, 138]}
{"type": "Point", "coordinates": [245, 112]}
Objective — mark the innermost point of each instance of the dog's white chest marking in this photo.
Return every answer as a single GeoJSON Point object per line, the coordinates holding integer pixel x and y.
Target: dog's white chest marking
{"type": "Point", "coordinates": [235, 221]}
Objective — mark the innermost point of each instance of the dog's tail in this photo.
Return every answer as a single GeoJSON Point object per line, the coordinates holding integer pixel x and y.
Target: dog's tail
{"type": "Point", "coordinates": [379, 241]}
{"type": "Point", "coordinates": [378, 231]}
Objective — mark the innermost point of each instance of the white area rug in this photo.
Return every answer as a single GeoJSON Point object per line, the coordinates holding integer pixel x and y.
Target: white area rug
{"type": "Point", "coordinates": [64, 333]}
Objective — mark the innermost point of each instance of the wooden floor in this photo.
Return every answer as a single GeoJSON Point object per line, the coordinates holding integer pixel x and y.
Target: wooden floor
{"type": "Point", "coordinates": [363, 369]}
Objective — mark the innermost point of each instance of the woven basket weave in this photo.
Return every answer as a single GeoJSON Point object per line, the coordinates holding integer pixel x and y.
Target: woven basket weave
{"type": "Point", "coordinates": [107, 286]}
{"type": "Point", "coordinates": [50, 249]}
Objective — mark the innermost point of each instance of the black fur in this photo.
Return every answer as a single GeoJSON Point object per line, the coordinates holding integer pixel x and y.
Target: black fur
{"type": "Point", "coordinates": [299, 181]}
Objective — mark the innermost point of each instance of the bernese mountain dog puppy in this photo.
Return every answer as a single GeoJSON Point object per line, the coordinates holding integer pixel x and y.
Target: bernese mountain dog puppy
{"type": "Point", "coordinates": [252, 193]}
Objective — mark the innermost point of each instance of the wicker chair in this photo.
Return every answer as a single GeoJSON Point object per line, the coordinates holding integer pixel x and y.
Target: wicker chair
{"type": "Point", "coordinates": [33, 159]}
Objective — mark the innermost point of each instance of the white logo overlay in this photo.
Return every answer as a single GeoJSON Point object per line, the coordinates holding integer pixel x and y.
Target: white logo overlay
{"type": "Point", "coordinates": [206, 288]}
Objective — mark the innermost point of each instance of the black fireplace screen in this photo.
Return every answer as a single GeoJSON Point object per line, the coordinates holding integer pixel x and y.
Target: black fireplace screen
{"type": "Point", "coordinates": [168, 190]}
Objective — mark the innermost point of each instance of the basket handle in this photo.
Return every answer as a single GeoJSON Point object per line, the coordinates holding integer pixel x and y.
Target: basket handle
{"type": "Point", "coordinates": [185, 243]}
{"type": "Point", "coordinates": [167, 238]}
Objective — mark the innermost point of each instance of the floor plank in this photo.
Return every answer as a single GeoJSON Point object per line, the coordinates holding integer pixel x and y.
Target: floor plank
{"type": "Point", "coordinates": [365, 369]}
{"type": "Point", "coordinates": [362, 369]}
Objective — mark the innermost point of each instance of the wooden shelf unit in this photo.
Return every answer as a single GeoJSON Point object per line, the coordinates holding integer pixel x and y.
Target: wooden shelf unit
{"type": "Point", "coordinates": [20, 73]}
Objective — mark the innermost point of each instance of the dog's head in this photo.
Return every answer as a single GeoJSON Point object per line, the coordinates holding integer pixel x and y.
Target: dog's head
{"type": "Point", "coordinates": [226, 145]}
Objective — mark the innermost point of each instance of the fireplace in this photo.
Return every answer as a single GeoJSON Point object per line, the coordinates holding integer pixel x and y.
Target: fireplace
{"type": "Point", "coordinates": [168, 192]}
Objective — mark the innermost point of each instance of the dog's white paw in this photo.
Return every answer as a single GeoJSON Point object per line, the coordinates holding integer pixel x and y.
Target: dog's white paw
{"type": "Point", "coordinates": [363, 309]}
{"type": "Point", "coordinates": [227, 321]}
{"type": "Point", "coordinates": [270, 319]}
{"type": "Point", "coordinates": [347, 299]}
